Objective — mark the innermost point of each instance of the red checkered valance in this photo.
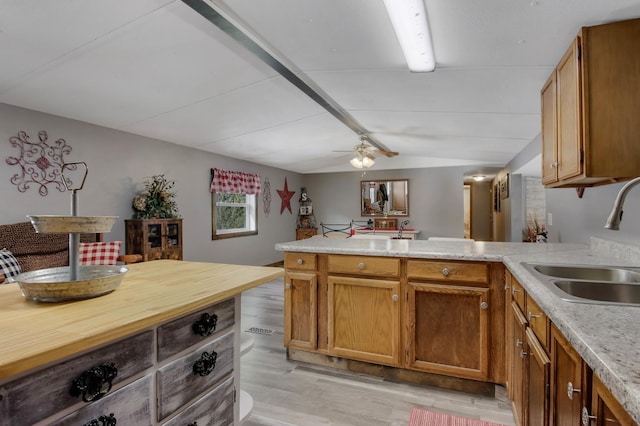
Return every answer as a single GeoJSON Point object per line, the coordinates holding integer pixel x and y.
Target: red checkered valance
{"type": "Point", "coordinates": [229, 182]}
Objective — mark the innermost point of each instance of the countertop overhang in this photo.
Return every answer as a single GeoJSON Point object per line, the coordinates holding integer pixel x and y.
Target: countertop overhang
{"type": "Point", "coordinates": [606, 336]}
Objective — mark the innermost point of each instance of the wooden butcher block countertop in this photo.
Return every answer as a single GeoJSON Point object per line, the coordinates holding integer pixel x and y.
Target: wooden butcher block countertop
{"type": "Point", "coordinates": [33, 334]}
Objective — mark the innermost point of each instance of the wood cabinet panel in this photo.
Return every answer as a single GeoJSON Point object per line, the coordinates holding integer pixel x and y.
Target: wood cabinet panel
{"type": "Point", "coordinates": [130, 405]}
{"type": "Point", "coordinates": [549, 131]}
{"type": "Point", "coordinates": [605, 407]}
{"type": "Point", "coordinates": [567, 382]}
{"type": "Point", "coordinates": [537, 382]}
{"type": "Point", "coordinates": [518, 294]}
{"type": "Point", "coordinates": [539, 322]}
{"type": "Point", "coordinates": [435, 310]}
{"type": "Point", "coordinates": [300, 261]}
{"type": "Point", "coordinates": [177, 382]}
{"type": "Point", "coordinates": [301, 310]}
{"type": "Point", "coordinates": [519, 363]}
{"type": "Point", "coordinates": [364, 319]}
{"type": "Point", "coordinates": [364, 265]}
{"type": "Point", "coordinates": [178, 335]}
{"type": "Point", "coordinates": [46, 392]}
{"type": "Point", "coordinates": [463, 272]}
{"type": "Point", "coordinates": [213, 409]}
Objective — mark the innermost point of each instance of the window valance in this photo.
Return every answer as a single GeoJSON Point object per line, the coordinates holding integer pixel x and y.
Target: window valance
{"type": "Point", "coordinates": [230, 182]}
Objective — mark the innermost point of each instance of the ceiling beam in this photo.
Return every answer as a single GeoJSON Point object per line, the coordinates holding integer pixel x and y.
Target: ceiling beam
{"type": "Point", "coordinates": [232, 26]}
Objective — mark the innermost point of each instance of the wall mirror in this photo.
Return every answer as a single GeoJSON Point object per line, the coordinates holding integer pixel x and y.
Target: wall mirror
{"type": "Point", "coordinates": [384, 197]}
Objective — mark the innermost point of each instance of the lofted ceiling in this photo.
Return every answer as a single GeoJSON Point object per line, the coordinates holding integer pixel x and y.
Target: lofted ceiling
{"type": "Point", "coordinates": [160, 69]}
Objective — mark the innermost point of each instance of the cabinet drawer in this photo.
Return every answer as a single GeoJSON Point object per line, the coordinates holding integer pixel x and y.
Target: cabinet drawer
{"type": "Point", "coordinates": [177, 382]}
{"type": "Point", "coordinates": [302, 261]}
{"type": "Point", "coordinates": [46, 392]}
{"type": "Point", "coordinates": [518, 294]}
{"type": "Point", "coordinates": [180, 334]}
{"type": "Point", "coordinates": [464, 272]}
{"type": "Point", "coordinates": [213, 409]}
{"type": "Point", "coordinates": [130, 405]}
{"type": "Point", "coordinates": [364, 265]}
{"type": "Point", "coordinates": [538, 322]}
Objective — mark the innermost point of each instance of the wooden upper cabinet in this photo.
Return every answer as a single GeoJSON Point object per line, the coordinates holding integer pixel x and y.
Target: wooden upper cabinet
{"type": "Point", "coordinates": [589, 133]}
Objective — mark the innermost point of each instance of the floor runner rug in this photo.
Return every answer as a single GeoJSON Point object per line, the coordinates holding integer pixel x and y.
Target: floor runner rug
{"type": "Point", "coordinates": [422, 417]}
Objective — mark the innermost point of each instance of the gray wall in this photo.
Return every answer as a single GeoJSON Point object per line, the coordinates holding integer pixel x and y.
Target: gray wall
{"type": "Point", "coordinates": [118, 165]}
{"type": "Point", "coordinates": [435, 198]}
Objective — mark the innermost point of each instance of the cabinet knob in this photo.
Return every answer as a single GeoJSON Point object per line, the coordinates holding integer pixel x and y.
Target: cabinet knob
{"type": "Point", "coordinates": [586, 417]}
{"type": "Point", "coordinates": [300, 261]}
{"type": "Point", "coordinates": [571, 390]}
{"type": "Point", "coordinates": [94, 383]}
{"type": "Point", "coordinates": [445, 271]}
{"type": "Point", "coordinates": [522, 353]}
{"type": "Point", "coordinates": [532, 316]}
{"type": "Point", "coordinates": [287, 285]}
{"type": "Point", "coordinates": [361, 265]}
{"type": "Point", "coordinates": [109, 420]}
{"type": "Point", "coordinates": [515, 290]}
{"type": "Point", "coordinates": [394, 297]}
{"type": "Point", "coordinates": [206, 325]}
{"type": "Point", "coordinates": [205, 365]}
{"type": "Point", "coordinates": [518, 342]}
{"type": "Point", "coordinates": [554, 165]}
{"type": "Point", "coordinates": [484, 305]}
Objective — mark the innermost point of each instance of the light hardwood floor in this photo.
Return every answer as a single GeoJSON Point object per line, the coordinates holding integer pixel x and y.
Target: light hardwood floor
{"type": "Point", "coordinates": [293, 393]}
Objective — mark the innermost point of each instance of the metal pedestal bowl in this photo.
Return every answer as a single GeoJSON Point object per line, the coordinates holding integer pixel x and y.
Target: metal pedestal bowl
{"type": "Point", "coordinates": [54, 285]}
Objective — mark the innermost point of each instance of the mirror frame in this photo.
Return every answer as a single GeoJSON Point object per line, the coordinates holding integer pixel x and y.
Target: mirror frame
{"type": "Point", "coordinates": [365, 184]}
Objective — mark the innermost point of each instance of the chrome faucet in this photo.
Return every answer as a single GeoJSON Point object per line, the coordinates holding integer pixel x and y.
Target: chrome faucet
{"type": "Point", "coordinates": [402, 225]}
{"type": "Point", "coordinates": [613, 222]}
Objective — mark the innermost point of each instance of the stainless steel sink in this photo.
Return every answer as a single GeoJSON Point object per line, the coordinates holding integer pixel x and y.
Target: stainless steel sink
{"type": "Point", "coordinates": [607, 285]}
{"type": "Point", "coordinates": [594, 273]}
{"type": "Point", "coordinates": [625, 293]}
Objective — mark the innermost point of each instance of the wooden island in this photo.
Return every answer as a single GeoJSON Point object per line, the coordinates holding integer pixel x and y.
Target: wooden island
{"type": "Point", "coordinates": [162, 349]}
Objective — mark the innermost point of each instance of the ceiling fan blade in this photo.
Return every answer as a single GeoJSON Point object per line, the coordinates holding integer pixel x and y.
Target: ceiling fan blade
{"type": "Point", "coordinates": [387, 153]}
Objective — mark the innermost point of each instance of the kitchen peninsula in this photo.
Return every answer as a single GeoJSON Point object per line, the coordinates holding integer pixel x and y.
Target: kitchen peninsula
{"type": "Point", "coordinates": [163, 348]}
{"type": "Point", "coordinates": [401, 308]}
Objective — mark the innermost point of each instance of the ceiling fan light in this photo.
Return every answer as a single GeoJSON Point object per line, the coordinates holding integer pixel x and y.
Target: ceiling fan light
{"type": "Point", "coordinates": [362, 161]}
{"type": "Point", "coordinates": [478, 178]}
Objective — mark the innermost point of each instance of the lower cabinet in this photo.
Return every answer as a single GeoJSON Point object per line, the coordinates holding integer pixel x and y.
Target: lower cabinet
{"type": "Point", "coordinates": [364, 319]}
{"type": "Point", "coordinates": [567, 382]}
{"type": "Point", "coordinates": [536, 381]}
{"type": "Point", "coordinates": [605, 409]}
{"type": "Point", "coordinates": [518, 368]}
{"type": "Point", "coordinates": [187, 378]}
{"type": "Point", "coordinates": [433, 312]}
{"type": "Point", "coordinates": [300, 300]}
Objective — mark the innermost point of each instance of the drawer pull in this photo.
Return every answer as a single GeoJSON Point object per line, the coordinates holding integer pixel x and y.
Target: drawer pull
{"type": "Point", "coordinates": [205, 325]}
{"type": "Point", "coordinates": [109, 420]}
{"type": "Point", "coordinates": [94, 383]}
{"type": "Point", "coordinates": [361, 265]}
{"type": "Point", "coordinates": [193, 424]}
{"type": "Point", "coordinates": [532, 316]}
{"type": "Point", "coordinates": [445, 272]}
{"type": "Point", "coordinates": [586, 417]}
{"type": "Point", "coordinates": [205, 365]}
{"type": "Point", "coordinates": [300, 261]}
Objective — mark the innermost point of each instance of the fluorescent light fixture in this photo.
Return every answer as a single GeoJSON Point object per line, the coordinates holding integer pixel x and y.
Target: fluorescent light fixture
{"type": "Point", "coordinates": [409, 20]}
{"type": "Point", "coordinates": [362, 161]}
{"type": "Point", "coordinates": [478, 178]}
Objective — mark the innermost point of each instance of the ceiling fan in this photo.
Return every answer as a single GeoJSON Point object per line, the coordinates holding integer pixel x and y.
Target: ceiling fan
{"type": "Point", "coordinates": [365, 154]}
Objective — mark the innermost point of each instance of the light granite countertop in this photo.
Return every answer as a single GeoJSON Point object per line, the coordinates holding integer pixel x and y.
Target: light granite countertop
{"type": "Point", "coordinates": [606, 336]}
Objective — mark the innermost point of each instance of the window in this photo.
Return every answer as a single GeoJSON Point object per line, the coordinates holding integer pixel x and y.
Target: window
{"type": "Point", "coordinates": [233, 215]}
{"type": "Point", "coordinates": [234, 206]}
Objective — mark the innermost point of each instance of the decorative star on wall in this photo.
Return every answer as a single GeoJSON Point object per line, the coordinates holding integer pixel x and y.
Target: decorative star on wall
{"type": "Point", "coordinates": [286, 196]}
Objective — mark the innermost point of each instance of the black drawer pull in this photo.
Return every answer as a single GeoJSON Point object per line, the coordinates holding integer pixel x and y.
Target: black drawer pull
{"type": "Point", "coordinates": [205, 365]}
{"type": "Point", "coordinates": [205, 325]}
{"type": "Point", "coordinates": [193, 424]}
{"type": "Point", "coordinates": [94, 383]}
{"type": "Point", "coordinates": [109, 420]}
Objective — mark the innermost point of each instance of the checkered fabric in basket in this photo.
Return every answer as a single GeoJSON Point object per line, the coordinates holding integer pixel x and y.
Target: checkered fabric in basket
{"type": "Point", "coordinates": [9, 266]}
{"type": "Point", "coordinates": [103, 253]}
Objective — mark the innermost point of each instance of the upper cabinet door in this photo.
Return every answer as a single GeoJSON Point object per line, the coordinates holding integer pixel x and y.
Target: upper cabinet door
{"type": "Point", "coordinates": [570, 142]}
{"type": "Point", "coordinates": [549, 131]}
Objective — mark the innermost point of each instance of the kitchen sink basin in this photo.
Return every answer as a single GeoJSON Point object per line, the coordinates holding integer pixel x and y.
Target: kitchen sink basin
{"type": "Point", "coordinates": [592, 273]}
{"type": "Point", "coordinates": [609, 292]}
{"type": "Point", "coordinates": [606, 285]}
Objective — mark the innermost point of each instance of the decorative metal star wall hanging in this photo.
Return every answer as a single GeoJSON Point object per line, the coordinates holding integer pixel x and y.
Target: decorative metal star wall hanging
{"type": "Point", "coordinates": [285, 196]}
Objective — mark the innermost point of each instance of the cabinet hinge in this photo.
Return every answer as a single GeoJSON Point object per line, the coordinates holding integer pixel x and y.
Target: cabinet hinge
{"type": "Point", "coordinates": [234, 395]}
{"type": "Point", "coordinates": [582, 156]}
{"type": "Point", "coordinates": [579, 52]}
